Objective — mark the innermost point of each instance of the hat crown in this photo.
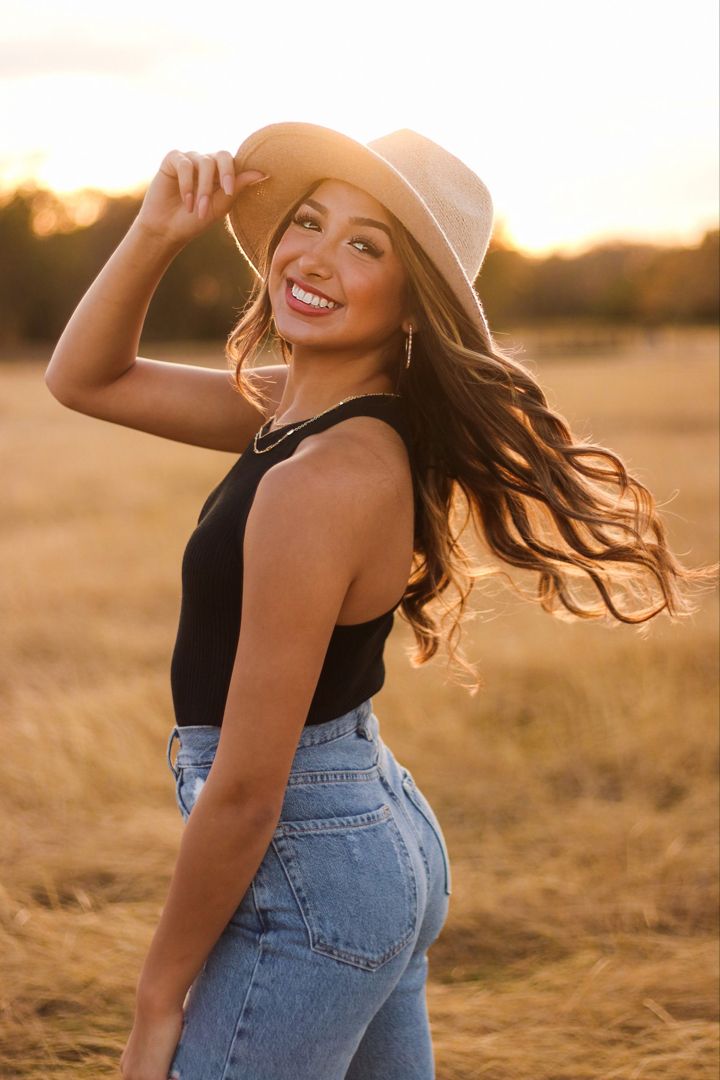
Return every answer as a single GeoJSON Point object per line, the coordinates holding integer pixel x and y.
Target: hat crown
{"type": "Point", "coordinates": [457, 198]}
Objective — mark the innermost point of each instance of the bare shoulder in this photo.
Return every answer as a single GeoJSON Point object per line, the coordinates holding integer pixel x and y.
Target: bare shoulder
{"type": "Point", "coordinates": [336, 486]}
{"type": "Point", "coordinates": [331, 470]}
{"type": "Point", "coordinates": [365, 450]}
{"type": "Point", "coordinates": [361, 457]}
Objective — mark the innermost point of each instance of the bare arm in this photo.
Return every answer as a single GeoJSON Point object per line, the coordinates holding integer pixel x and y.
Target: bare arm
{"type": "Point", "coordinates": [100, 341]}
{"type": "Point", "coordinates": [94, 368]}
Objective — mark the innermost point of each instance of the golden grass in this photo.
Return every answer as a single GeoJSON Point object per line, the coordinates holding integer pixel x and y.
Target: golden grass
{"type": "Point", "coordinates": [578, 791]}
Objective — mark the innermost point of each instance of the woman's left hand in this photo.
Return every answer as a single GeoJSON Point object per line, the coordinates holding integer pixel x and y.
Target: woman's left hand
{"type": "Point", "coordinates": [152, 1044]}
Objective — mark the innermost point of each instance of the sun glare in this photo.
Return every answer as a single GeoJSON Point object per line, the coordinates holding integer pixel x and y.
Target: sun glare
{"type": "Point", "coordinates": [574, 144]}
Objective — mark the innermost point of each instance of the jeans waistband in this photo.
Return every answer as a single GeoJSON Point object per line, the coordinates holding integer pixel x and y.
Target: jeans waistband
{"type": "Point", "coordinates": [198, 742]}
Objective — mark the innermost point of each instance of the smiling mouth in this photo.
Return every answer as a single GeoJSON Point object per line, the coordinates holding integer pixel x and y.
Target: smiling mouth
{"type": "Point", "coordinates": [311, 301]}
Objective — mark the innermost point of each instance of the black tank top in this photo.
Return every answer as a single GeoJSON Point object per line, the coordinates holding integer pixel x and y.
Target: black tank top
{"type": "Point", "coordinates": [212, 574]}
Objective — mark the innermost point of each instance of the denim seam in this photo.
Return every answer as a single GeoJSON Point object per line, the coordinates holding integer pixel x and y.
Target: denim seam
{"type": "Point", "coordinates": [326, 737]}
{"type": "Point", "coordinates": [168, 753]}
{"type": "Point", "coordinates": [410, 787]}
{"type": "Point", "coordinates": [404, 811]}
{"type": "Point", "coordinates": [308, 776]}
{"type": "Point", "coordinates": [187, 811]}
{"type": "Point", "coordinates": [257, 905]}
{"type": "Point", "coordinates": [357, 720]}
{"type": "Point", "coordinates": [201, 763]}
{"type": "Point", "coordinates": [230, 1058]}
{"type": "Point", "coordinates": [320, 825]}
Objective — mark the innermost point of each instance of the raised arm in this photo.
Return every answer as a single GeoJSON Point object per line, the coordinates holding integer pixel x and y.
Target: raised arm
{"type": "Point", "coordinates": [94, 368]}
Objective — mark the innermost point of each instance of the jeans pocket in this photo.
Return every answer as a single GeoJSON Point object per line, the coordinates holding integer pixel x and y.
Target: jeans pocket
{"type": "Point", "coordinates": [188, 785]}
{"type": "Point", "coordinates": [354, 883]}
{"type": "Point", "coordinates": [422, 804]}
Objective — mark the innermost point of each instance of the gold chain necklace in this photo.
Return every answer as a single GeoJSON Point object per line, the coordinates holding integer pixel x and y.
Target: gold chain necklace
{"type": "Point", "coordinates": [302, 424]}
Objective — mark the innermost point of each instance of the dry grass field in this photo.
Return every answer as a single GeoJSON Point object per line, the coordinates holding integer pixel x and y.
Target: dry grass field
{"type": "Point", "coordinates": [578, 790]}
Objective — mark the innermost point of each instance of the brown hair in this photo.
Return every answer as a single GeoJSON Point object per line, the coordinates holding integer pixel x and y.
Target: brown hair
{"type": "Point", "coordinates": [487, 447]}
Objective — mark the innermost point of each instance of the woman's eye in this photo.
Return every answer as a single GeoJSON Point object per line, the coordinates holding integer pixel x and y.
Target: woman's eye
{"type": "Point", "coordinates": [303, 219]}
{"type": "Point", "coordinates": [370, 248]}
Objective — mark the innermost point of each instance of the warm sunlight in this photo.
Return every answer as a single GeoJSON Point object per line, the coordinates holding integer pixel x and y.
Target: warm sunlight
{"type": "Point", "coordinates": [474, 834]}
{"type": "Point", "coordinates": [584, 124]}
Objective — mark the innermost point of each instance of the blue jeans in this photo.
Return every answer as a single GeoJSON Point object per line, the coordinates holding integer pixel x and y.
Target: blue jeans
{"type": "Point", "coordinates": [321, 972]}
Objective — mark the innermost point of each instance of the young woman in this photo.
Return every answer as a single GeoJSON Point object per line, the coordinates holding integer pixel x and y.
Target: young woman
{"type": "Point", "coordinates": [313, 874]}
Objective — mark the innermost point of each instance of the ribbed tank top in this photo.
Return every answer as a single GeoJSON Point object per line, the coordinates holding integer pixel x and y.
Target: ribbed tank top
{"type": "Point", "coordinates": [212, 576]}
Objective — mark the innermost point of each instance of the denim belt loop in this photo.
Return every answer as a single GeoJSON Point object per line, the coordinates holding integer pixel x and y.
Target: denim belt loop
{"type": "Point", "coordinates": [173, 734]}
{"type": "Point", "coordinates": [364, 724]}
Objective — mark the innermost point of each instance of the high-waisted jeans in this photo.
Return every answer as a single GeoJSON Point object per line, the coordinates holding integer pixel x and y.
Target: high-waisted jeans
{"type": "Point", "coordinates": [321, 972]}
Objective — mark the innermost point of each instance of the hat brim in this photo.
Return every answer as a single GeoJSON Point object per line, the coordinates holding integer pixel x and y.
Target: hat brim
{"type": "Point", "coordinates": [296, 155]}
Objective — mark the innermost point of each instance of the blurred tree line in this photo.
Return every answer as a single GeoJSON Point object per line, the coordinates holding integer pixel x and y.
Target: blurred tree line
{"type": "Point", "coordinates": [52, 249]}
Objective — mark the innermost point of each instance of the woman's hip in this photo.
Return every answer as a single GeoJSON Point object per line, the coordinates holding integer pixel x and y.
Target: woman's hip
{"type": "Point", "coordinates": [358, 861]}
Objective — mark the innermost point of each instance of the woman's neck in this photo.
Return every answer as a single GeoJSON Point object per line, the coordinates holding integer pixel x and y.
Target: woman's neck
{"type": "Point", "coordinates": [300, 403]}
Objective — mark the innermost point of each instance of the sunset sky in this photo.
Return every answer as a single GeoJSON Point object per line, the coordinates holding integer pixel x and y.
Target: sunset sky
{"type": "Point", "coordinates": [586, 122]}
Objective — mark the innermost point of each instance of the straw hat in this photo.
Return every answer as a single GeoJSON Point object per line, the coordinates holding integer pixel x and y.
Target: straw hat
{"type": "Point", "coordinates": [442, 203]}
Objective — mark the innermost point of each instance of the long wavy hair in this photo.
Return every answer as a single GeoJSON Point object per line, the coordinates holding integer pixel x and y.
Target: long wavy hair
{"type": "Point", "coordinates": [487, 448]}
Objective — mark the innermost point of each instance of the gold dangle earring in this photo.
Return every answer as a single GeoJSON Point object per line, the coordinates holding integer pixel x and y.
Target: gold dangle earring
{"type": "Point", "coordinates": [408, 348]}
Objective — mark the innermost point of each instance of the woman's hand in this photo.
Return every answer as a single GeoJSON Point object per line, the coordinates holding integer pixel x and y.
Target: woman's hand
{"type": "Point", "coordinates": [190, 192]}
{"type": "Point", "coordinates": [152, 1044]}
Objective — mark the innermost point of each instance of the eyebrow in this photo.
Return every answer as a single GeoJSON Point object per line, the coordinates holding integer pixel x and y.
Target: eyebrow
{"type": "Point", "coordinates": [353, 220]}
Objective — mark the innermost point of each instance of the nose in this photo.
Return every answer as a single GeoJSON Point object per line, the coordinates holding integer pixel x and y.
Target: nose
{"type": "Point", "coordinates": [316, 261]}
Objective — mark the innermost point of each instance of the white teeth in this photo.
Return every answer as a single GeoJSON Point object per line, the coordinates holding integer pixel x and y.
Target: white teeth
{"type": "Point", "coordinates": [311, 299]}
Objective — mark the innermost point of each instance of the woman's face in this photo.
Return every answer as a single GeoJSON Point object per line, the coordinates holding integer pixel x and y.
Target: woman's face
{"type": "Point", "coordinates": [338, 247]}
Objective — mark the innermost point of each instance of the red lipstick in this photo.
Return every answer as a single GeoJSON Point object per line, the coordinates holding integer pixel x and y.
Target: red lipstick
{"type": "Point", "coordinates": [312, 289]}
{"type": "Point", "coordinates": [307, 309]}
